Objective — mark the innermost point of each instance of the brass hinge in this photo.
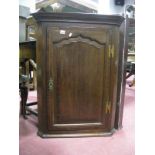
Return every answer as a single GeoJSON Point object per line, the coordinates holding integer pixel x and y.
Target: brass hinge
{"type": "Point", "coordinates": [108, 107]}
{"type": "Point", "coordinates": [111, 51]}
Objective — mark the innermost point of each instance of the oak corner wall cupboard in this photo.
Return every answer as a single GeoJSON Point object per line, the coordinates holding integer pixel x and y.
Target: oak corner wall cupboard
{"type": "Point", "coordinates": [80, 59]}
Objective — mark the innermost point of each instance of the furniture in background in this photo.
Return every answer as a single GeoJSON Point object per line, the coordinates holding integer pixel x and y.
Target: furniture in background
{"type": "Point", "coordinates": [80, 73]}
{"type": "Point", "coordinates": [27, 65]}
{"type": "Point", "coordinates": [130, 69]}
{"type": "Point", "coordinates": [30, 29]}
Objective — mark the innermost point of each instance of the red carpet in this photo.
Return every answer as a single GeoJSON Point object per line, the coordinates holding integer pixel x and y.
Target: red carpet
{"type": "Point", "coordinates": [121, 143]}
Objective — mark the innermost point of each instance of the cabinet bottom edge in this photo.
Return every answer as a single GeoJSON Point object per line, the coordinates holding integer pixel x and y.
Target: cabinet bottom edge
{"type": "Point", "coordinates": [74, 135]}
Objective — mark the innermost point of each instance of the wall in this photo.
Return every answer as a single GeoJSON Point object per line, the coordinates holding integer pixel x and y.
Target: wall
{"type": "Point", "coordinates": [25, 8]}
{"type": "Point", "coordinates": [22, 35]}
{"type": "Point", "coordinates": [109, 7]}
{"type": "Point", "coordinates": [28, 3]}
{"type": "Point", "coordinates": [24, 12]}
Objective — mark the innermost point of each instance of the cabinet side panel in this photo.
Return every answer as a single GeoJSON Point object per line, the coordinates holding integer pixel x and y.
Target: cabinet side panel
{"type": "Point", "coordinates": [121, 73]}
{"type": "Point", "coordinates": [114, 72]}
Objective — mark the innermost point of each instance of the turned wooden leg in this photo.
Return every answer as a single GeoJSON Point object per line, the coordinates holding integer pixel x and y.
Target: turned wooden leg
{"type": "Point", "coordinates": [24, 96]}
{"type": "Point", "coordinates": [130, 74]}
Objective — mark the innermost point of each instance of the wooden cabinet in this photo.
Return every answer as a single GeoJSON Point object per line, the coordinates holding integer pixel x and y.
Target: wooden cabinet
{"type": "Point", "coordinates": [78, 60]}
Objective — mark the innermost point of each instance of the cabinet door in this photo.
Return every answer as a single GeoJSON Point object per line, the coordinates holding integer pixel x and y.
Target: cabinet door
{"type": "Point", "coordinates": [77, 77]}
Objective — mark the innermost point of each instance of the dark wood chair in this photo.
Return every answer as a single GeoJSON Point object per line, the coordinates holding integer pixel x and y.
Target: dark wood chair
{"type": "Point", "coordinates": [24, 91]}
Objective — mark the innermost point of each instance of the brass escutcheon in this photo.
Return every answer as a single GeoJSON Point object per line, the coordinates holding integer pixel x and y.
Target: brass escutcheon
{"type": "Point", "coordinates": [50, 84]}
